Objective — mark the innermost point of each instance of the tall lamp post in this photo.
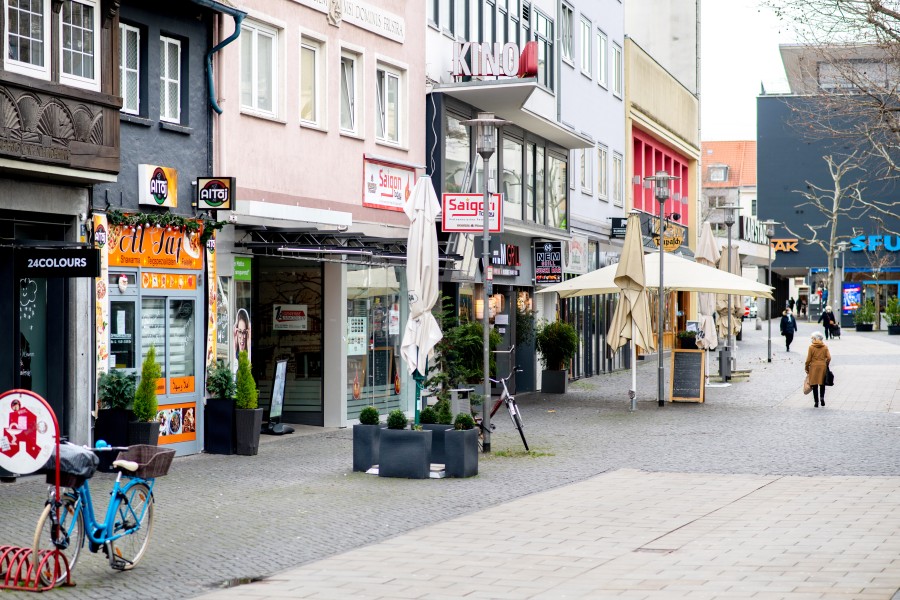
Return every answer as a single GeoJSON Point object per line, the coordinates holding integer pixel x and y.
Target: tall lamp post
{"type": "Point", "coordinates": [770, 231]}
{"type": "Point", "coordinates": [485, 145]}
{"type": "Point", "coordinates": [660, 182]}
{"type": "Point", "coordinates": [725, 354]}
{"type": "Point", "coordinates": [839, 283]}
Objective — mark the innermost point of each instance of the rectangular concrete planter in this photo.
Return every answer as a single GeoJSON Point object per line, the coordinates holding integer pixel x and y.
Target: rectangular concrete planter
{"type": "Point", "coordinates": [218, 426]}
{"type": "Point", "coordinates": [461, 453]}
{"type": "Point", "coordinates": [404, 453]}
{"type": "Point", "coordinates": [437, 440]}
{"type": "Point", "coordinates": [366, 442]}
{"type": "Point", "coordinates": [554, 382]}
{"type": "Point", "coordinates": [247, 427]}
{"type": "Point", "coordinates": [143, 432]}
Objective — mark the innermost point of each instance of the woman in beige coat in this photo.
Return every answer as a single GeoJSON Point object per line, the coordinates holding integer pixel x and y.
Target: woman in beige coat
{"type": "Point", "coordinates": [818, 359]}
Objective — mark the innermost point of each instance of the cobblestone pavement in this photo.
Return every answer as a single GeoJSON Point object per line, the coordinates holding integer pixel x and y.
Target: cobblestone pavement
{"type": "Point", "coordinates": [225, 518]}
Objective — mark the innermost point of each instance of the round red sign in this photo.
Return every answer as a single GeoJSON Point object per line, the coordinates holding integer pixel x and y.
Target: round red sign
{"type": "Point", "coordinates": [27, 431]}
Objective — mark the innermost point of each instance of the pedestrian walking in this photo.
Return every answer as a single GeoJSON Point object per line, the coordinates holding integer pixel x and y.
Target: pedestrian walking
{"type": "Point", "coordinates": [791, 303]}
{"type": "Point", "coordinates": [801, 306]}
{"type": "Point", "coordinates": [828, 321]}
{"type": "Point", "coordinates": [818, 361]}
{"type": "Point", "coordinates": [788, 327]}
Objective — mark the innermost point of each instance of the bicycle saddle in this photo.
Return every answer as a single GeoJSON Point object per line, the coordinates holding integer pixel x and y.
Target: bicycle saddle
{"type": "Point", "coordinates": [128, 465]}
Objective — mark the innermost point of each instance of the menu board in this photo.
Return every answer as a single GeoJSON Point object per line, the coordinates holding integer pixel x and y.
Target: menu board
{"type": "Point", "coordinates": [688, 376]}
{"type": "Point", "coordinates": [277, 404]}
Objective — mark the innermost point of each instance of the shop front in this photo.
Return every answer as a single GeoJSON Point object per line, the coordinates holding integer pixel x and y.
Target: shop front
{"type": "Point", "coordinates": [151, 295]}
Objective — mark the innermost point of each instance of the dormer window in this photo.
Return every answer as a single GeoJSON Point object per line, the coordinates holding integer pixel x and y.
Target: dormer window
{"type": "Point", "coordinates": [718, 173]}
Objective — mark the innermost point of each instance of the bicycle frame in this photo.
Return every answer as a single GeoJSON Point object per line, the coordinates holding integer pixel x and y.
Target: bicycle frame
{"type": "Point", "coordinates": [98, 533]}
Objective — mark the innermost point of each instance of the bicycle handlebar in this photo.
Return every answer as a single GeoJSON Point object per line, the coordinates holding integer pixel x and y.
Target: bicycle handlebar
{"type": "Point", "coordinates": [511, 348]}
{"type": "Point", "coordinates": [513, 372]}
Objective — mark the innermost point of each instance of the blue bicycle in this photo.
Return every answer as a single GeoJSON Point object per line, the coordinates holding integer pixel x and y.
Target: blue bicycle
{"type": "Point", "coordinates": [124, 532]}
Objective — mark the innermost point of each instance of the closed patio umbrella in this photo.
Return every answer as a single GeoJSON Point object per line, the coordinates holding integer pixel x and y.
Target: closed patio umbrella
{"type": "Point", "coordinates": [707, 254]}
{"type": "Point", "coordinates": [631, 320]}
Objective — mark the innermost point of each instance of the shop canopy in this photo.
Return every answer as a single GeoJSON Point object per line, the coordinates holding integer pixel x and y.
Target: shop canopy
{"type": "Point", "coordinates": [679, 275]}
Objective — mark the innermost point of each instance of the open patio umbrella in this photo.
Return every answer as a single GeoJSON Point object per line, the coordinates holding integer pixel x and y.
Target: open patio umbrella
{"type": "Point", "coordinates": [631, 321]}
{"type": "Point", "coordinates": [681, 274]}
{"type": "Point", "coordinates": [707, 254]}
{"type": "Point", "coordinates": [422, 329]}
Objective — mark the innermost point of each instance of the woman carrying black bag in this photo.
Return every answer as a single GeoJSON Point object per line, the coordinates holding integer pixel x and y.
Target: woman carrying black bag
{"type": "Point", "coordinates": [828, 321]}
{"type": "Point", "coordinates": [788, 327]}
{"type": "Point", "coordinates": [818, 361]}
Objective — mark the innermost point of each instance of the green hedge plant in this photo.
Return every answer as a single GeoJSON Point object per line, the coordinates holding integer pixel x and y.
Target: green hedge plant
{"type": "Point", "coordinates": [245, 395]}
{"type": "Point", "coordinates": [557, 342]}
{"type": "Point", "coordinates": [397, 419]}
{"type": "Point", "coordinates": [463, 421]}
{"type": "Point", "coordinates": [369, 416]}
{"type": "Point", "coordinates": [428, 416]}
{"type": "Point", "coordinates": [145, 404]}
{"type": "Point", "coordinates": [116, 389]}
{"type": "Point", "coordinates": [220, 381]}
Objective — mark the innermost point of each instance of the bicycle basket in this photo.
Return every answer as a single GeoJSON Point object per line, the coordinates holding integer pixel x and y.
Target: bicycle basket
{"type": "Point", "coordinates": [152, 461]}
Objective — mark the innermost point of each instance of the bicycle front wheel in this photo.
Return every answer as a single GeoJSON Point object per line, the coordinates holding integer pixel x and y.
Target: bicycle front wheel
{"type": "Point", "coordinates": [67, 537]}
{"type": "Point", "coordinates": [134, 523]}
{"type": "Point", "coordinates": [517, 420]}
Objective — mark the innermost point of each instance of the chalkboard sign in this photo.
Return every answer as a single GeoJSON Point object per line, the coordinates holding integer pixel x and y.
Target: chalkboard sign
{"type": "Point", "coordinates": [277, 405]}
{"type": "Point", "coordinates": [381, 365]}
{"type": "Point", "coordinates": [688, 377]}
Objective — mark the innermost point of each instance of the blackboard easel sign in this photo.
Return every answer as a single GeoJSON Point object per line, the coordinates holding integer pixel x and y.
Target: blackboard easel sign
{"type": "Point", "coordinates": [275, 426]}
{"type": "Point", "coordinates": [688, 376]}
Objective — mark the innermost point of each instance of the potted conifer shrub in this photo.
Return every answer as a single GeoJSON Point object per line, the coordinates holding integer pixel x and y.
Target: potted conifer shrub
{"type": "Point", "coordinates": [892, 312]}
{"type": "Point", "coordinates": [461, 447]}
{"type": "Point", "coordinates": [864, 317]}
{"type": "Point", "coordinates": [218, 421]}
{"type": "Point", "coordinates": [247, 414]}
{"type": "Point", "coordinates": [557, 342]}
{"type": "Point", "coordinates": [145, 429]}
{"type": "Point", "coordinates": [115, 391]}
{"type": "Point", "coordinates": [403, 452]}
{"type": "Point", "coordinates": [366, 436]}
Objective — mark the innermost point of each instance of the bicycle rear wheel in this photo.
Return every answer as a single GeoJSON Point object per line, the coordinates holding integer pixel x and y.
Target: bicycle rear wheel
{"type": "Point", "coordinates": [134, 522]}
{"type": "Point", "coordinates": [69, 536]}
{"type": "Point", "coordinates": [517, 419]}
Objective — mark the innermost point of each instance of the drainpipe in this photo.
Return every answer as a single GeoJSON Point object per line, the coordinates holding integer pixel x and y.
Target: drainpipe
{"type": "Point", "coordinates": [238, 16]}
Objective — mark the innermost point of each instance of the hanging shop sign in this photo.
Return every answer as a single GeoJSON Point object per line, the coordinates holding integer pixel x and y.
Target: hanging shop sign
{"type": "Point", "coordinates": [465, 213]}
{"type": "Point", "coordinates": [157, 186]}
{"type": "Point", "coordinates": [154, 247]}
{"type": "Point", "coordinates": [215, 193]}
{"type": "Point", "coordinates": [548, 262]}
{"type": "Point", "coordinates": [672, 237]}
{"type": "Point", "coordinates": [57, 262]}
{"type": "Point", "coordinates": [576, 255]}
{"type": "Point", "coordinates": [386, 185]}
{"type": "Point", "coordinates": [619, 225]}
{"type": "Point", "coordinates": [289, 317]}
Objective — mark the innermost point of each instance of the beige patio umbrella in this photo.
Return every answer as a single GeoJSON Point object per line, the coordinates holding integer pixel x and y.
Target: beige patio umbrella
{"type": "Point", "coordinates": [737, 307]}
{"type": "Point", "coordinates": [707, 254]}
{"type": "Point", "coordinates": [631, 321]}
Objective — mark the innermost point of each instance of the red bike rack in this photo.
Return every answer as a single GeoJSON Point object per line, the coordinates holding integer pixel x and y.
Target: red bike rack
{"type": "Point", "coordinates": [18, 568]}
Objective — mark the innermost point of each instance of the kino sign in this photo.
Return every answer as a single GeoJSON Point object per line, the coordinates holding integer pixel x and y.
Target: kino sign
{"type": "Point", "coordinates": [472, 58]}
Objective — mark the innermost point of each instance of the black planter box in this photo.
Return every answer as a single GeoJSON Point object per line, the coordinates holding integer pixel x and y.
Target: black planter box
{"type": "Point", "coordinates": [247, 425]}
{"type": "Point", "coordinates": [554, 382]}
{"type": "Point", "coordinates": [141, 432]}
{"type": "Point", "coordinates": [437, 440]}
{"type": "Point", "coordinates": [461, 452]}
{"type": "Point", "coordinates": [864, 326]}
{"type": "Point", "coordinates": [893, 329]}
{"type": "Point", "coordinates": [112, 428]}
{"type": "Point", "coordinates": [404, 453]}
{"type": "Point", "coordinates": [687, 343]}
{"type": "Point", "coordinates": [218, 426]}
{"type": "Point", "coordinates": [365, 446]}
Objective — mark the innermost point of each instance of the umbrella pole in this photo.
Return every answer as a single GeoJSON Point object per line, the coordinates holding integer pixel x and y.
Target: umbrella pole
{"type": "Point", "coordinates": [633, 392]}
{"type": "Point", "coordinates": [419, 380]}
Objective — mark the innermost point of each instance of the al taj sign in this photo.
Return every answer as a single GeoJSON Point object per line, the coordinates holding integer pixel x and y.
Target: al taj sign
{"type": "Point", "coordinates": [215, 193]}
{"type": "Point", "coordinates": [157, 186]}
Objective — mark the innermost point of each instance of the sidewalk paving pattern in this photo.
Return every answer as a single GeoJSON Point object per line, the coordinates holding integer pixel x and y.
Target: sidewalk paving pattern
{"type": "Point", "coordinates": [753, 494]}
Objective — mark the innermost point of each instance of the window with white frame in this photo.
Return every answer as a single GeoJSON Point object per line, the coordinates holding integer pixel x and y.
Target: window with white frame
{"type": "Point", "coordinates": [585, 171]}
{"type": "Point", "coordinates": [543, 33]}
{"type": "Point", "coordinates": [27, 32]}
{"type": "Point", "coordinates": [586, 47]}
{"type": "Point", "coordinates": [602, 59]}
{"type": "Point", "coordinates": [387, 100]}
{"type": "Point", "coordinates": [79, 43]}
{"type": "Point", "coordinates": [169, 79]}
{"type": "Point", "coordinates": [602, 173]}
{"type": "Point", "coordinates": [718, 173]}
{"type": "Point", "coordinates": [566, 26]}
{"type": "Point", "coordinates": [130, 68]}
{"type": "Point", "coordinates": [618, 175]}
{"type": "Point", "coordinates": [618, 82]}
{"type": "Point", "coordinates": [311, 83]}
{"type": "Point", "coordinates": [259, 68]}
{"type": "Point", "coordinates": [349, 87]}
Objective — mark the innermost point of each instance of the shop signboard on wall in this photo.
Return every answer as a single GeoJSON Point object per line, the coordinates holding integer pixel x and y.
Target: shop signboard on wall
{"type": "Point", "coordinates": [154, 247]}
{"type": "Point", "coordinates": [157, 186]}
{"type": "Point", "coordinates": [619, 225]}
{"type": "Point", "coordinates": [386, 185]}
{"type": "Point", "coordinates": [57, 262]}
{"type": "Point", "coordinates": [289, 317]}
{"type": "Point", "coordinates": [215, 193]}
{"type": "Point", "coordinates": [672, 237]}
{"type": "Point", "coordinates": [242, 268]}
{"type": "Point", "coordinates": [576, 255]}
{"type": "Point", "coordinates": [463, 213]}
{"type": "Point", "coordinates": [548, 263]}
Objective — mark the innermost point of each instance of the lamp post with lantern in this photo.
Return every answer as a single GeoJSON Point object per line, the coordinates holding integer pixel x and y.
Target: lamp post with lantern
{"type": "Point", "coordinates": [485, 126]}
{"type": "Point", "coordinates": [725, 353]}
{"type": "Point", "coordinates": [770, 231]}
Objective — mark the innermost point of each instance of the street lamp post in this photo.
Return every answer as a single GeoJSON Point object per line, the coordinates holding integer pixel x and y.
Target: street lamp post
{"type": "Point", "coordinates": [485, 145]}
{"type": "Point", "coordinates": [661, 193]}
{"type": "Point", "coordinates": [725, 354]}
{"type": "Point", "coordinates": [770, 231]}
{"type": "Point", "coordinates": [839, 287]}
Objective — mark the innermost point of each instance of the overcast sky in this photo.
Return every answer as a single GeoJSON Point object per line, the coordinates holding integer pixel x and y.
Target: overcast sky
{"type": "Point", "coordinates": [738, 50]}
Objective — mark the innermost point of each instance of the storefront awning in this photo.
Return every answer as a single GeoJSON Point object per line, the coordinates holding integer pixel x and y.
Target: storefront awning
{"type": "Point", "coordinates": [271, 214]}
{"type": "Point", "coordinates": [506, 98]}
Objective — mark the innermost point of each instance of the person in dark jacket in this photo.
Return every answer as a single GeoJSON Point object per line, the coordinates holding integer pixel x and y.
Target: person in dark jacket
{"type": "Point", "coordinates": [791, 303]}
{"type": "Point", "coordinates": [818, 359]}
{"type": "Point", "coordinates": [828, 321]}
{"type": "Point", "coordinates": [788, 328]}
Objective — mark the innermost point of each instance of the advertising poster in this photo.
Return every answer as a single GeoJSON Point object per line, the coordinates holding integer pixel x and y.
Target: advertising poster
{"type": "Point", "coordinates": [101, 317]}
{"type": "Point", "coordinates": [289, 317]}
{"type": "Point", "coordinates": [177, 423]}
{"type": "Point", "coordinates": [548, 264]}
{"type": "Point", "coordinates": [851, 297]}
{"type": "Point", "coordinates": [356, 336]}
